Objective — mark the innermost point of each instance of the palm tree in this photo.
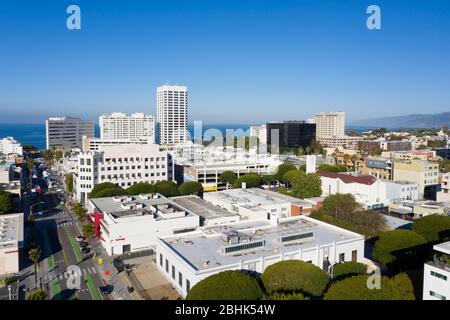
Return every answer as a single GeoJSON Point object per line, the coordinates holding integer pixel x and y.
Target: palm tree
{"type": "Point", "coordinates": [30, 166]}
{"type": "Point", "coordinates": [34, 254]}
{"type": "Point", "coordinates": [80, 212]}
{"type": "Point", "coordinates": [88, 231]}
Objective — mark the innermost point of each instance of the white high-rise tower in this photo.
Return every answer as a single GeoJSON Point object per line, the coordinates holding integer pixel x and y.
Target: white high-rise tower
{"type": "Point", "coordinates": [171, 114]}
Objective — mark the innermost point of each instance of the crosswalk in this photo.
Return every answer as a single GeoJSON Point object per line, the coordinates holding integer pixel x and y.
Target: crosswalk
{"type": "Point", "coordinates": [65, 275]}
{"type": "Point", "coordinates": [64, 224]}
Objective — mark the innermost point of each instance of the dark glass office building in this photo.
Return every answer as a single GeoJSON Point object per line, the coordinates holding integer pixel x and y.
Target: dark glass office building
{"type": "Point", "coordinates": [292, 134]}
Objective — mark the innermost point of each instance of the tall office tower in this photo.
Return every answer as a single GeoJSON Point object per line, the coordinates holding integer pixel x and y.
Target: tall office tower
{"type": "Point", "coordinates": [330, 124]}
{"type": "Point", "coordinates": [117, 125]}
{"type": "Point", "coordinates": [291, 134]}
{"type": "Point", "coordinates": [172, 117]}
{"type": "Point", "coordinates": [67, 132]}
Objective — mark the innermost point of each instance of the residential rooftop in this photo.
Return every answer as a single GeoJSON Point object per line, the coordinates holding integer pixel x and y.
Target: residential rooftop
{"type": "Point", "coordinates": [212, 247]}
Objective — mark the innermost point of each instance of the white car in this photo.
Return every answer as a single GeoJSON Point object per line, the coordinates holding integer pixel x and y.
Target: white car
{"type": "Point", "coordinates": [79, 238]}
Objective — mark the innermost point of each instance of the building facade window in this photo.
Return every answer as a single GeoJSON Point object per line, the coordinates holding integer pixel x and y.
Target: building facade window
{"type": "Point", "coordinates": [437, 295]}
{"type": "Point", "coordinates": [438, 275]}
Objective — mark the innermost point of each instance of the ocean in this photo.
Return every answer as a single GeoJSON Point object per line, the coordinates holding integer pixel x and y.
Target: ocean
{"type": "Point", "coordinates": [34, 134]}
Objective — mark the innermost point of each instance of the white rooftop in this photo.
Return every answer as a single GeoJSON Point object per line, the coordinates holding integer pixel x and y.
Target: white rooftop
{"type": "Point", "coordinates": [204, 249]}
{"type": "Point", "coordinates": [443, 247]}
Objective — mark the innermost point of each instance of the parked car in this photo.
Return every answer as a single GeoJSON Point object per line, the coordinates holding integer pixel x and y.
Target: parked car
{"type": "Point", "coordinates": [85, 249]}
{"type": "Point", "coordinates": [84, 244]}
{"type": "Point", "coordinates": [80, 238]}
{"type": "Point", "coordinates": [107, 289]}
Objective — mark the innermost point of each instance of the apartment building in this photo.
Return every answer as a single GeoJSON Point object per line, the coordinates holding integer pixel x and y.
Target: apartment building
{"type": "Point", "coordinates": [424, 173]}
{"type": "Point", "coordinates": [172, 114]}
{"type": "Point", "coordinates": [426, 155]}
{"type": "Point", "coordinates": [346, 142]}
{"type": "Point", "coordinates": [9, 145]}
{"type": "Point", "coordinates": [11, 241]}
{"type": "Point", "coordinates": [67, 132]}
{"type": "Point", "coordinates": [436, 274]}
{"type": "Point", "coordinates": [380, 145]}
{"type": "Point", "coordinates": [118, 126]}
{"type": "Point", "coordinates": [188, 258]}
{"type": "Point", "coordinates": [378, 167]}
{"type": "Point", "coordinates": [291, 134]}
{"type": "Point", "coordinates": [133, 223]}
{"type": "Point", "coordinates": [330, 124]}
{"type": "Point", "coordinates": [123, 165]}
{"type": "Point", "coordinates": [444, 194]}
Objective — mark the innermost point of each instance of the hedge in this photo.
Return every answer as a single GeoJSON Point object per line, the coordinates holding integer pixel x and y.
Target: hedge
{"type": "Point", "coordinates": [295, 275]}
{"type": "Point", "coordinates": [433, 227]}
{"type": "Point", "coordinates": [404, 286]}
{"type": "Point", "coordinates": [356, 288]}
{"type": "Point", "coordinates": [167, 188]}
{"type": "Point", "coordinates": [100, 187]}
{"type": "Point", "coordinates": [396, 240]}
{"type": "Point", "coordinates": [226, 285]}
{"type": "Point", "coordinates": [110, 192]}
{"type": "Point", "coordinates": [285, 296]}
{"type": "Point", "coordinates": [345, 269]}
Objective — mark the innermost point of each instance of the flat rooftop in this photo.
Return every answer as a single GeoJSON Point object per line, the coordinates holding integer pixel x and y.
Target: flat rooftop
{"type": "Point", "coordinates": [201, 207]}
{"type": "Point", "coordinates": [203, 249]}
{"type": "Point", "coordinates": [443, 247]}
{"type": "Point", "coordinates": [154, 205]}
{"type": "Point", "coordinates": [254, 197]}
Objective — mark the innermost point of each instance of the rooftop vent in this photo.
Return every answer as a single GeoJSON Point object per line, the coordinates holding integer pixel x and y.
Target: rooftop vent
{"type": "Point", "coordinates": [243, 247]}
{"type": "Point", "coordinates": [297, 237]}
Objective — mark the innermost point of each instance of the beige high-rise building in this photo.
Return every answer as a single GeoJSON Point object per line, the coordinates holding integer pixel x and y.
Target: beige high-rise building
{"type": "Point", "coordinates": [330, 124]}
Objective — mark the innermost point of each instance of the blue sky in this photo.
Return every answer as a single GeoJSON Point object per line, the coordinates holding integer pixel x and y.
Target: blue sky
{"type": "Point", "coordinates": [246, 61]}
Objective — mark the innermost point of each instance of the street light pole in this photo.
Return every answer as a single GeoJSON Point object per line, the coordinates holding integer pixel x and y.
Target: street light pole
{"type": "Point", "coordinates": [9, 292]}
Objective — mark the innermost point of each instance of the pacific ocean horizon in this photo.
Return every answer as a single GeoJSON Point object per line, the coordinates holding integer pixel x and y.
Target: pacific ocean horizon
{"type": "Point", "coordinates": [34, 134]}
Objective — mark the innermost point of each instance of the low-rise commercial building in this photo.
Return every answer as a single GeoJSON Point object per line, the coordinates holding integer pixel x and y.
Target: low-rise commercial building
{"type": "Point", "coordinates": [346, 142]}
{"type": "Point", "coordinates": [424, 173]}
{"type": "Point", "coordinates": [377, 146]}
{"type": "Point", "coordinates": [186, 259]}
{"type": "Point", "coordinates": [132, 223]}
{"type": "Point", "coordinates": [436, 274]}
{"type": "Point", "coordinates": [11, 241]}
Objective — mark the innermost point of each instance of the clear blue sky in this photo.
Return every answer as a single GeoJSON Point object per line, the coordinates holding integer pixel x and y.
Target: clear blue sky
{"type": "Point", "coordinates": [244, 61]}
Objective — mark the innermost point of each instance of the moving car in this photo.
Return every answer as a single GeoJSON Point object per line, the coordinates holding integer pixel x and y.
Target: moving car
{"type": "Point", "coordinates": [85, 249]}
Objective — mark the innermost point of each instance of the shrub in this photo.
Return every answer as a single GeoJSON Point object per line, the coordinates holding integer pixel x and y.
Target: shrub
{"type": "Point", "coordinates": [190, 187]}
{"type": "Point", "coordinates": [9, 280]}
{"type": "Point", "coordinates": [226, 285]}
{"type": "Point", "coordinates": [294, 275]}
{"type": "Point", "coordinates": [6, 201]}
{"type": "Point", "coordinates": [285, 296]}
{"type": "Point", "coordinates": [393, 241]}
{"type": "Point", "coordinates": [36, 294]}
{"type": "Point", "coordinates": [432, 227]}
{"type": "Point", "coordinates": [140, 188]}
{"type": "Point", "coordinates": [342, 270]}
{"type": "Point", "coordinates": [355, 288]}
{"type": "Point", "coordinates": [167, 188]}
{"type": "Point", "coordinates": [404, 286]}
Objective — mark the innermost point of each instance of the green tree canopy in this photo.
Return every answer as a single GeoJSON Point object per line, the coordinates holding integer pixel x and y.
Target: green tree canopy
{"type": "Point", "coordinates": [391, 242]}
{"type": "Point", "coordinates": [190, 187]}
{"type": "Point", "coordinates": [306, 186]}
{"type": "Point", "coordinates": [226, 285]}
{"type": "Point", "coordinates": [342, 270]}
{"type": "Point", "coordinates": [102, 186]}
{"type": "Point", "coordinates": [285, 296]}
{"type": "Point", "coordinates": [269, 179]}
{"type": "Point", "coordinates": [331, 168]}
{"type": "Point", "coordinates": [110, 192]}
{"type": "Point", "coordinates": [294, 275]}
{"type": "Point", "coordinates": [404, 286]}
{"type": "Point", "coordinates": [356, 288]}
{"type": "Point", "coordinates": [228, 177]}
{"type": "Point", "coordinates": [36, 294]}
{"type": "Point", "coordinates": [141, 188]}
{"type": "Point", "coordinates": [69, 182]}
{"type": "Point", "coordinates": [282, 169]}
{"type": "Point", "coordinates": [6, 201]}
{"type": "Point", "coordinates": [167, 188]}
{"type": "Point", "coordinates": [252, 180]}
{"type": "Point", "coordinates": [433, 227]}
{"type": "Point", "coordinates": [340, 204]}
{"type": "Point", "coordinates": [290, 175]}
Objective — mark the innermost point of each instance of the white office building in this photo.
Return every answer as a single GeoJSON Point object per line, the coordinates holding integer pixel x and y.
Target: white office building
{"type": "Point", "coordinates": [330, 124]}
{"type": "Point", "coordinates": [399, 191]}
{"type": "Point", "coordinates": [259, 132]}
{"type": "Point", "coordinates": [9, 145]}
{"type": "Point", "coordinates": [93, 144]}
{"type": "Point", "coordinates": [67, 132]}
{"type": "Point", "coordinates": [172, 114]}
{"type": "Point", "coordinates": [122, 165]}
{"type": "Point", "coordinates": [132, 223]}
{"type": "Point", "coordinates": [436, 274]}
{"type": "Point", "coordinates": [137, 126]}
{"type": "Point", "coordinates": [11, 240]}
{"type": "Point", "coordinates": [188, 258]}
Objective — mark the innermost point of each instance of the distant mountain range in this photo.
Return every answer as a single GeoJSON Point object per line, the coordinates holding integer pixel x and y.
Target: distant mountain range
{"type": "Point", "coordinates": [408, 121]}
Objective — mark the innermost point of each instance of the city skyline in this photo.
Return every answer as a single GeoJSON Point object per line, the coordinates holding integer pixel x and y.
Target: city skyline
{"type": "Point", "coordinates": [250, 62]}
